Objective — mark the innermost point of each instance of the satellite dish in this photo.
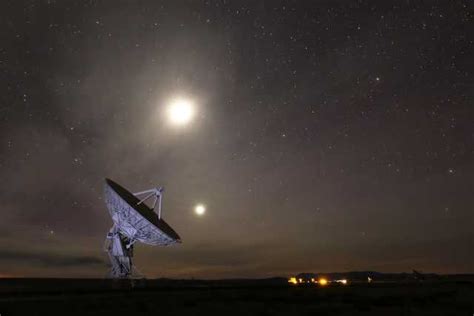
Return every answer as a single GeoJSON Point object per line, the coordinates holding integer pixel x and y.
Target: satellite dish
{"type": "Point", "coordinates": [133, 221]}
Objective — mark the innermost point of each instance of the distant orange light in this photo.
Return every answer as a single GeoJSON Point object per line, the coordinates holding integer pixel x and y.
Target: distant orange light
{"type": "Point", "coordinates": [292, 280]}
{"type": "Point", "coordinates": [343, 281]}
{"type": "Point", "coordinates": [323, 281]}
{"type": "Point", "coordinates": [300, 280]}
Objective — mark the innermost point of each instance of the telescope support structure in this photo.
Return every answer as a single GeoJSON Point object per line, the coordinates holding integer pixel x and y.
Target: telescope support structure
{"type": "Point", "coordinates": [120, 251]}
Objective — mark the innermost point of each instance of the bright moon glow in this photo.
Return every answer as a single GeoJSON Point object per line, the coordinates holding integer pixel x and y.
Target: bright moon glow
{"type": "Point", "coordinates": [200, 209]}
{"type": "Point", "coordinates": [180, 111]}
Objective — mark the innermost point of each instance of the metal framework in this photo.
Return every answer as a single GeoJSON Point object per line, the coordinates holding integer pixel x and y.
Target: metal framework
{"type": "Point", "coordinates": [129, 227]}
{"type": "Point", "coordinates": [120, 251]}
{"type": "Point", "coordinates": [156, 193]}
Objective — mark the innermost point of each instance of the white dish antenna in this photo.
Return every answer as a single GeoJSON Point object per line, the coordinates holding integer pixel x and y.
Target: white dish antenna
{"type": "Point", "coordinates": [133, 221]}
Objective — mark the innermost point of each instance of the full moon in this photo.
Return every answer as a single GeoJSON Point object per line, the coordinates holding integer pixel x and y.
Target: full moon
{"type": "Point", "coordinates": [180, 111]}
{"type": "Point", "coordinates": [200, 209]}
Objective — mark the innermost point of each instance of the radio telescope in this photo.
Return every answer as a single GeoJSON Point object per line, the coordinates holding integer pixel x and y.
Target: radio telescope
{"type": "Point", "coordinates": [133, 221]}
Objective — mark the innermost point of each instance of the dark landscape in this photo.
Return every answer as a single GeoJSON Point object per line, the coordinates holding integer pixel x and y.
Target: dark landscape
{"type": "Point", "coordinates": [394, 294]}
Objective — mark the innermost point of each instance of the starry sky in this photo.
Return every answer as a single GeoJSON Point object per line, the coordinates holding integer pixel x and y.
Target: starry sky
{"type": "Point", "coordinates": [328, 135]}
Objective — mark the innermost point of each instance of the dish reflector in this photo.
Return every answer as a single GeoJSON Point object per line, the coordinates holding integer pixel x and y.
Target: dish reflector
{"type": "Point", "coordinates": [133, 221]}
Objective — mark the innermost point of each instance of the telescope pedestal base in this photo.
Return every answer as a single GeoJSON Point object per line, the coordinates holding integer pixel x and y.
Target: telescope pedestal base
{"type": "Point", "coordinates": [120, 251]}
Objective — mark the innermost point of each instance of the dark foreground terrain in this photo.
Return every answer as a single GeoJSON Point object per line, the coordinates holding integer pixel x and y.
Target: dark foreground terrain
{"type": "Point", "coordinates": [265, 297]}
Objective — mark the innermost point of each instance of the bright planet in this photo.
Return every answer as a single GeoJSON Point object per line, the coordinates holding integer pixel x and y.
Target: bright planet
{"type": "Point", "coordinates": [200, 209]}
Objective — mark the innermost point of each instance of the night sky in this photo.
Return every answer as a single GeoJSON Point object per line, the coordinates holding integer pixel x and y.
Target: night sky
{"type": "Point", "coordinates": [327, 136]}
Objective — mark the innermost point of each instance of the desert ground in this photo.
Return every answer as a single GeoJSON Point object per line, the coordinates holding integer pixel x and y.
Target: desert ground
{"type": "Point", "coordinates": [269, 297]}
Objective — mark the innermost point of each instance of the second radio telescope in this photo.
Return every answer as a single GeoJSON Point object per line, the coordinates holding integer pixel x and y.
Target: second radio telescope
{"type": "Point", "coordinates": [133, 221]}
